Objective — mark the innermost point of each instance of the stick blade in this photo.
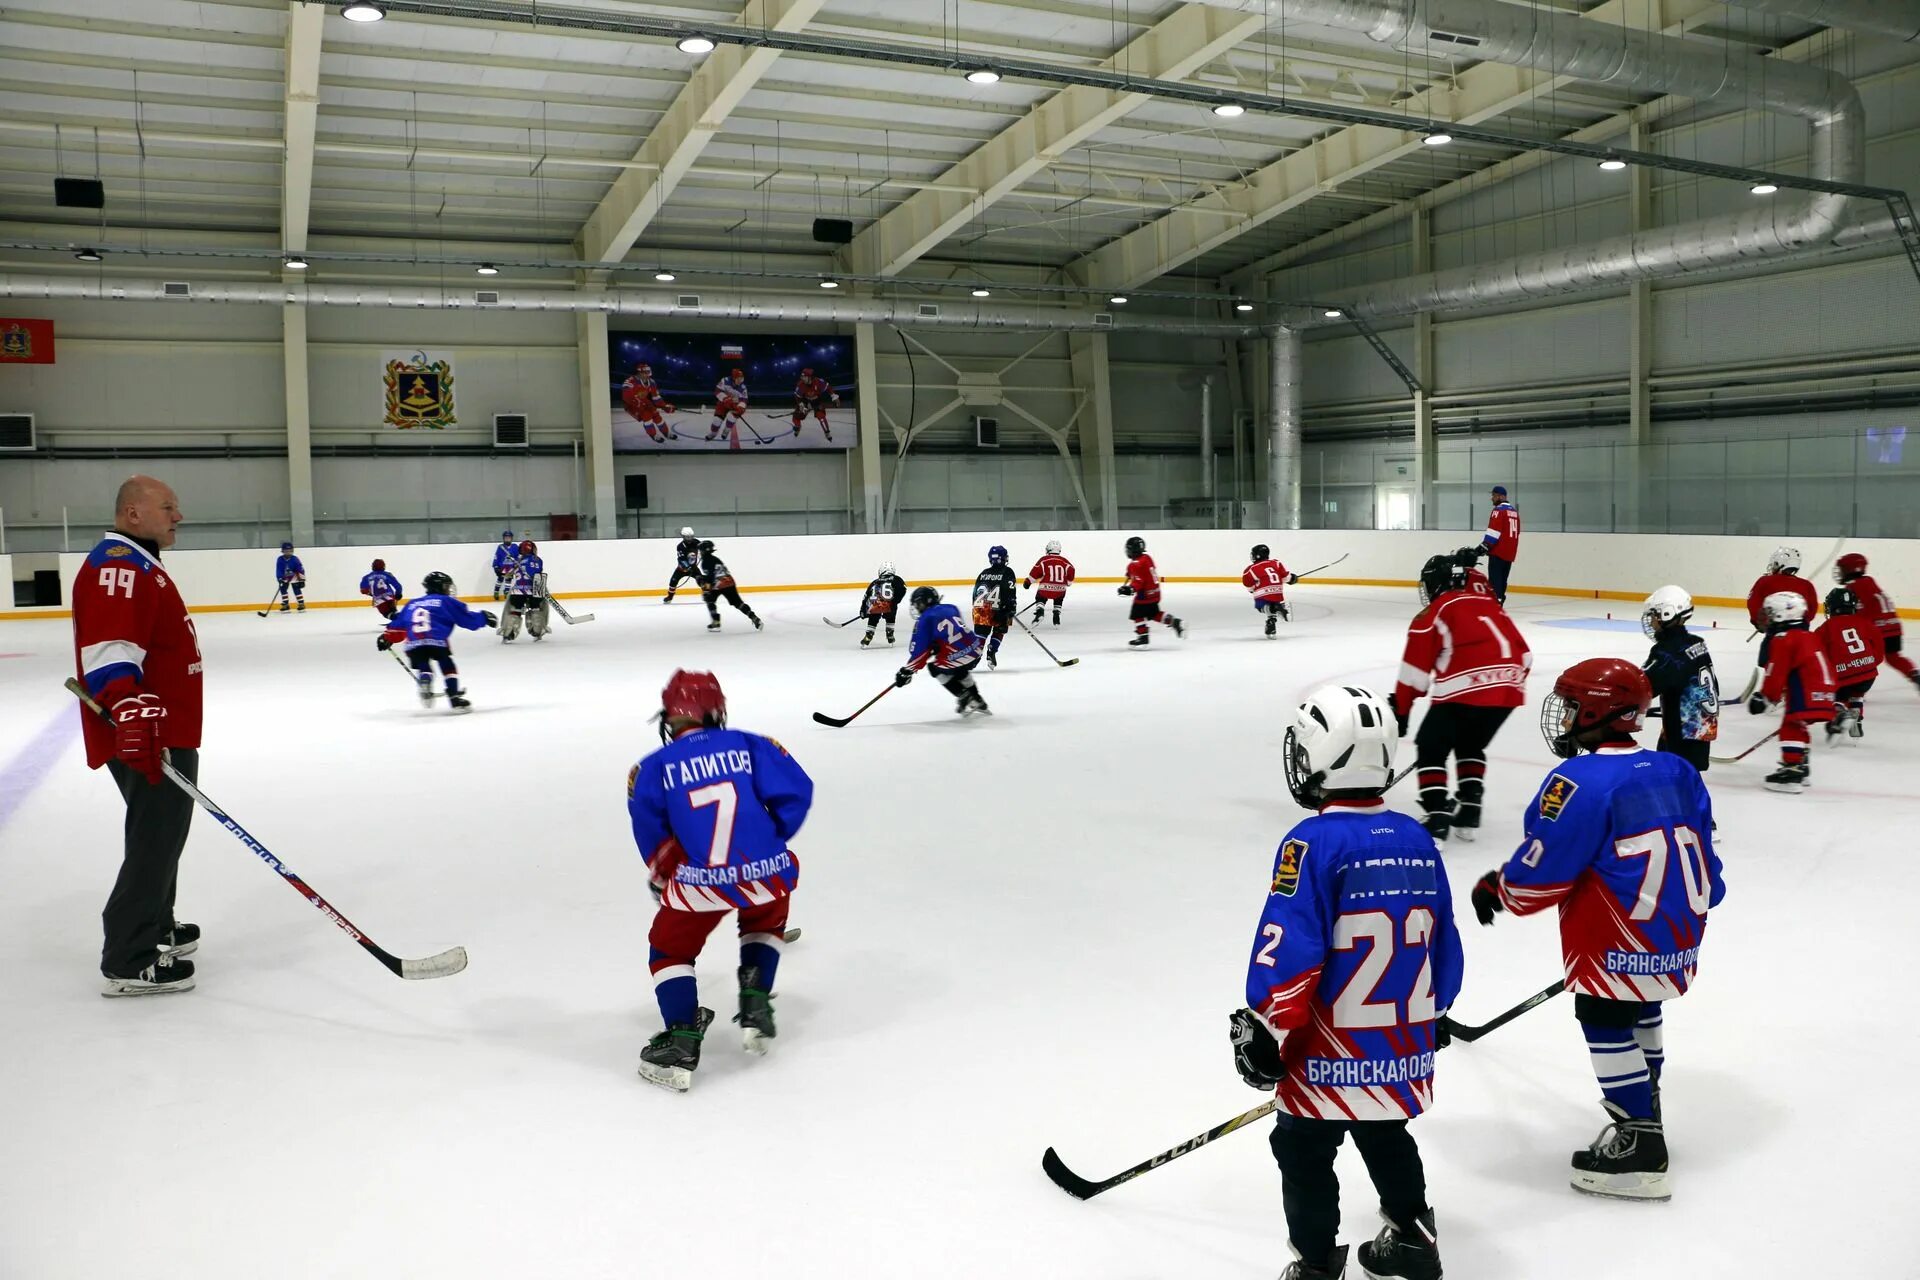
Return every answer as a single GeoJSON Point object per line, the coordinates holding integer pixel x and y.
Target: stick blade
{"type": "Point", "coordinates": [1066, 1179]}
{"type": "Point", "coordinates": [820, 717]}
{"type": "Point", "coordinates": [444, 965]}
{"type": "Point", "coordinates": [1071, 662]}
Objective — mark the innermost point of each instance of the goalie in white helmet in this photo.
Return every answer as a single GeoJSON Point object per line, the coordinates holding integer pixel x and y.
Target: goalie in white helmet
{"type": "Point", "coordinates": [1354, 872]}
{"type": "Point", "coordinates": [1681, 672]}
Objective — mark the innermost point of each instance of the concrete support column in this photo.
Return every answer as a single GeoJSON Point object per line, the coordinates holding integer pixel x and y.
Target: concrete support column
{"type": "Point", "coordinates": [1426, 444]}
{"type": "Point", "coordinates": [1639, 350]}
{"type": "Point", "coordinates": [1091, 377]}
{"type": "Point", "coordinates": [293, 347]}
{"type": "Point", "coordinates": [867, 457]}
{"type": "Point", "coordinates": [1284, 413]}
{"type": "Point", "coordinates": [596, 416]}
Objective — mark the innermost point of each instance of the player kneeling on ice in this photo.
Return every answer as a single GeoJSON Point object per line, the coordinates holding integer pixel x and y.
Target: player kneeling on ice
{"type": "Point", "coordinates": [1855, 650]}
{"type": "Point", "coordinates": [1798, 674]}
{"type": "Point", "coordinates": [1050, 577]}
{"type": "Point", "coordinates": [946, 646]}
{"type": "Point", "coordinates": [712, 812]}
{"type": "Point", "coordinates": [1143, 584]}
{"type": "Point", "coordinates": [423, 628]}
{"type": "Point", "coordinates": [527, 596]}
{"type": "Point", "coordinates": [1620, 840]}
{"type": "Point", "coordinates": [881, 603]}
{"type": "Point", "coordinates": [1355, 961]}
{"type": "Point", "coordinates": [382, 588]}
{"type": "Point", "coordinates": [1268, 579]}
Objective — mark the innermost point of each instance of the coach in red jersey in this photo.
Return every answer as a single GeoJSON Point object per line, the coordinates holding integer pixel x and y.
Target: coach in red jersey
{"type": "Point", "coordinates": [136, 651]}
{"type": "Point", "coordinates": [1501, 541]}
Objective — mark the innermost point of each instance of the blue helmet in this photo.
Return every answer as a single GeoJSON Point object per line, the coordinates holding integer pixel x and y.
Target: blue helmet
{"type": "Point", "coordinates": [996, 555]}
{"type": "Point", "coordinates": [286, 546]}
{"type": "Point", "coordinates": [505, 534]}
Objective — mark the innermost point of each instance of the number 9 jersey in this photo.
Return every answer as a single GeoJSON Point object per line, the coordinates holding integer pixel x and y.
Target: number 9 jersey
{"type": "Point", "coordinates": [1622, 842]}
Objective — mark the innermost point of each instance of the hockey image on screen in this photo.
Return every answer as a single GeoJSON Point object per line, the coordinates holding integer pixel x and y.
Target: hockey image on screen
{"type": "Point", "coordinates": [695, 393]}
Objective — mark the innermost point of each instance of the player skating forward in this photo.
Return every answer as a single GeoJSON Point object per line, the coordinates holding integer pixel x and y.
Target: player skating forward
{"type": "Point", "coordinates": [717, 584]}
{"type": "Point", "coordinates": [644, 403]}
{"type": "Point", "coordinates": [527, 597]}
{"type": "Point", "coordinates": [1356, 958]}
{"type": "Point", "coordinates": [423, 627]}
{"type": "Point", "coordinates": [1621, 841]}
{"type": "Point", "coordinates": [1783, 574]}
{"type": "Point", "coordinates": [1143, 584]}
{"type": "Point", "coordinates": [1850, 571]}
{"type": "Point", "coordinates": [810, 396]}
{"type": "Point", "coordinates": [729, 405]}
{"type": "Point", "coordinates": [292, 576]}
{"type": "Point", "coordinates": [1053, 574]}
{"type": "Point", "coordinates": [1855, 651]}
{"type": "Point", "coordinates": [1680, 670]}
{"type": "Point", "coordinates": [1466, 655]}
{"type": "Point", "coordinates": [1798, 674]}
{"type": "Point", "coordinates": [946, 646]}
{"type": "Point", "coordinates": [382, 588]}
{"type": "Point", "coordinates": [994, 602]}
{"type": "Point", "coordinates": [503, 557]}
{"type": "Point", "coordinates": [1268, 579]}
{"type": "Point", "coordinates": [881, 603]}
{"type": "Point", "coordinates": [712, 812]}
{"type": "Point", "coordinates": [686, 562]}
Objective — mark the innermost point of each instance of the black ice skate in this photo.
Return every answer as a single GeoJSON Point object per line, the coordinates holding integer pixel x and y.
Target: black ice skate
{"type": "Point", "coordinates": [758, 625]}
{"type": "Point", "coordinates": [183, 940]}
{"type": "Point", "coordinates": [1332, 1267]}
{"type": "Point", "coordinates": [1439, 821]}
{"type": "Point", "coordinates": [667, 600]}
{"type": "Point", "coordinates": [1628, 1161]}
{"type": "Point", "coordinates": [426, 695]}
{"type": "Point", "coordinates": [1788, 778]}
{"type": "Point", "coordinates": [866, 639]}
{"type": "Point", "coordinates": [714, 625]}
{"type": "Point", "coordinates": [1273, 624]}
{"type": "Point", "coordinates": [1396, 1254]}
{"type": "Point", "coordinates": [1139, 642]}
{"type": "Point", "coordinates": [303, 606]}
{"type": "Point", "coordinates": [1856, 726]}
{"type": "Point", "coordinates": [973, 704]}
{"type": "Point", "coordinates": [284, 606]}
{"type": "Point", "coordinates": [164, 976]}
{"type": "Point", "coordinates": [1179, 627]}
{"type": "Point", "coordinates": [458, 704]}
{"type": "Point", "coordinates": [1056, 618]}
{"type": "Point", "coordinates": [756, 1011]}
{"type": "Point", "coordinates": [670, 1058]}
{"type": "Point", "coordinates": [993, 659]}
{"type": "Point", "coordinates": [889, 635]}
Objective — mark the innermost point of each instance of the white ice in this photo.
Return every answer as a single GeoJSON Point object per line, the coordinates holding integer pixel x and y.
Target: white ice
{"type": "Point", "coordinates": [1021, 931]}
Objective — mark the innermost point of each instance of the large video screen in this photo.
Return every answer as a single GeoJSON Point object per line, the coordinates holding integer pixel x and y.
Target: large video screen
{"type": "Point", "coordinates": [700, 392]}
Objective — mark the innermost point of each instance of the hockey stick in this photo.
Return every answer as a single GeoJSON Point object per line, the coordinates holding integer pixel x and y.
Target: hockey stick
{"type": "Point", "coordinates": [445, 964]}
{"type": "Point", "coordinates": [1058, 662]}
{"type": "Point", "coordinates": [1328, 565]}
{"type": "Point", "coordinates": [566, 617]}
{"type": "Point", "coordinates": [1083, 1189]}
{"type": "Point", "coordinates": [838, 723]}
{"type": "Point", "coordinates": [1749, 751]}
{"type": "Point", "coordinates": [268, 608]}
{"type": "Point", "coordinates": [849, 622]}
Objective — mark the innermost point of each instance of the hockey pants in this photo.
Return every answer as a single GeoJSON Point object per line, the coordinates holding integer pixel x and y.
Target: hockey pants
{"type": "Point", "coordinates": [875, 619]}
{"type": "Point", "coordinates": [427, 656]}
{"type": "Point", "coordinates": [139, 912]}
{"type": "Point", "coordinates": [1463, 732]}
{"type": "Point", "coordinates": [680, 575]}
{"type": "Point", "coordinates": [676, 938]}
{"type": "Point", "coordinates": [1304, 1148]}
{"type": "Point", "coordinates": [1899, 661]}
{"type": "Point", "coordinates": [958, 681]}
{"type": "Point", "coordinates": [732, 596]}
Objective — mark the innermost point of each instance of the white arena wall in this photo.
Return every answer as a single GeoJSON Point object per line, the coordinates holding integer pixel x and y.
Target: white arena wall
{"type": "Point", "coordinates": [1717, 570]}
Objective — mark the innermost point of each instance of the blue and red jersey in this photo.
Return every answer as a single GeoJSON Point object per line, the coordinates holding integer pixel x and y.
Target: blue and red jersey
{"type": "Point", "coordinates": [942, 638]}
{"type": "Point", "coordinates": [1502, 538]}
{"type": "Point", "coordinates": [504, 556]}
{"type": "Point", "coordinates": [523, 571]}
{"type": "Point", "coordinates": [287, 568]}
{"type": "Point", "coordinates": [712, 813]}
{"type": "Point", "coordinates": [131, 634]}
{"type": "Point", "coordinates": [381, 585]}
{"type": "Point", "coordinates": [432, 620]}
{"type": "Point", "coordinates": [1356, 956]}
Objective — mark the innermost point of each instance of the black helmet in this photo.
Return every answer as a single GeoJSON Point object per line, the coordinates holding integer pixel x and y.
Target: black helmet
{"type": "Point", "coordinates": [707, 545]}
{"type": "Point", "coordinates": [1439, 575]}
{"type": "Point", "coordinates": [1261, 551]}
{"type": "Point", "coordinates": [437, 584]}
{"type": "Point", "coordinates": [1136, 545]}
{"type": "Point", "coordinates": [1842, 600]}
{"type": "Point", "coordinates": [923, 599]}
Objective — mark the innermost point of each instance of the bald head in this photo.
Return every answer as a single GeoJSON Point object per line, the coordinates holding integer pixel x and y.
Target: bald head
{"type": "Point", "coordinates": [147, 508]}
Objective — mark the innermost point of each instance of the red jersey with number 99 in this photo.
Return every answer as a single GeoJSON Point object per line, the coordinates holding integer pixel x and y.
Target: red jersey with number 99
{"type": "Point", "coordinates": [130, 628]}
{"type": "Point", "coordinates": [1463, 648]}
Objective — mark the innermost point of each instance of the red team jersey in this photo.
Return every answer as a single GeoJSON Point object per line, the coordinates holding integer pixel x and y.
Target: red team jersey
{"type": "Point", "coordinates": [811, 389]}
{"type": "Point", "coordinates": [1267, 579]}
{"type": "Point", "coordinates": [1144, 579]}
{"type": "Point", "coordinates": [1463, 648]}
{"type": "Point", "coordinates": [1502, 538]}
{"type": "Point", "coordinates": [1772, 584]}
{"type": "Point", "coordinates": [1051, 575]}
{"type": "Point", "coordinates": [130, 628]}
{"type": "Point", "coordinates": [642, 398]}
{"type": "Point", "coordinates": [1876, 605]}
{"type": "Point", "coordinates": [1853, 647]}
{"type": "Point", "coordinates": [1799, 674]}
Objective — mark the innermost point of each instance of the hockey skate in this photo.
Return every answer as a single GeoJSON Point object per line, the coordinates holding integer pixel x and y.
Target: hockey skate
{"type": "Point", "coordinates": [1403, 1255]}
{"type": "Point", "coordinates": [164, 976]}
{"type": "Point", "coordinates": [1439, 821]}
{"type": "Point", "coordinates": [1332, 1267]}
{"type": "Point", "coordinates": [284, 606]}
{"type": "Point", "coordinates": [1179, 627]}
{"type": "Point", "coordinates": [1628, 1161]}
{"type": "Point", "coordinates": [1856, 726]}
{"type": "Point", "coordinates": [866, 639]}
{"type": "Point", "coordinates": [1139, 642]}
{"type": "Point", "coordinates": [974, 705]}
{"type": "Point", "coordinates": [714, 625]}
{"type": "Point", "coordinates": [758, 625]}
{"type": "Point", "coordinates": [756, 1012]}
{"type": "Point", "coordinates": [1056, 617]}
{"type": "Point", "coordinates": [670, 1058]}
{"type": "Point", "coordinates": [993, 660]}
{"type": "Point", "coordinates": [669, 597]}
{"type": "Point", "coordinates": [426, 693]}
{"type": "Point", "coordinates": [889, 635]}
{"type": "Point", "coordinates": [1788, 779]}
{"type": "Point", "coordinates": [458, 704]}
{"type": "Point", "coordinates": [1273, 624]}
{"type": "Point", "coordinates": [182, 940]}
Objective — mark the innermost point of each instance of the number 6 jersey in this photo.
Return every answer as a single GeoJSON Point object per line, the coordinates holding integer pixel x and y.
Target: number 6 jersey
{"type": "Point", "coordinates": [1622, 842]}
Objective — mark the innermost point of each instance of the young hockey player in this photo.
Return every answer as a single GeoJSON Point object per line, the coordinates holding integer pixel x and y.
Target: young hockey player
{"type": "Point", "coordinates": [527, 596]}
{"type": "Point", "coordinates": [1783, 574]}
{"type": "Point", "coordinates": [1356, 959]}
{"type": "Point", "coordinates": [1054, 574]}
{"type": "Point", "coordinates": [1680, 670]}
{"type": "Point", "coordinates": [712, 812]}
{"type": "Point", "coordinates": [1797, 673]}
{"type": "Point", "coordinates": [1465, 654]}
{"type": "Point", "coordinates": [1268, 579]}
{"type": "Point", "coordinates": [944, 645]}
{"type": "Point", "coordinates": [1501, 542]}
{"type": "Point", "coordinates": [382, 588]}
{"type": "Point", "coordinates": [994, 601]}
{"type": "Point", "coordinates": [810, 396]}
{"type": "Point", "coordinates": [503, 557]}
{"type": "Point", "coordinates": [717, 584]}
{"type": "Point", "coordinates": [881, 602]}
{"type": "Point", "coordinates": [1143, 584]}
{"type": "Point", "coordinates": [423, 627]}
{"type": "Point", "coordinates": [729, 405]}
{"type": "Point", "coordinates": [1854, 650]}
{"type": "Point", "coordinates": [686, 562]}
{"type": "Point", "coordinates": [1621, 841]}
{"type": "Point", "coordinates": [641, 397]}
{"type": "Point", "coordinates": [1850, 570]}
{"type": "Point", "coordinates": [292, 576]}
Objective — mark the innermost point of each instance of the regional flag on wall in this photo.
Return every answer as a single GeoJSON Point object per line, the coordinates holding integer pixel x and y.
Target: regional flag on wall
{"type": "Point", "coordinates": [26, 341]}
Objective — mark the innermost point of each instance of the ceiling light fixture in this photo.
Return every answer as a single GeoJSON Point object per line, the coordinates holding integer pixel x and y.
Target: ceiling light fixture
{"type": "Point", "coordinates": [486, 269]}
{"type": "Point", "coordinates": [1333, 313]}
{"type": "Point", "coordinates": [983, 293]}
{"type": "Point", "coordinates": [1764, 188]}
{"type": "Point", "coordinates": [294, 262]}
{"type": "Point", "coordinates": [1228, 110]}
{"type": "Point", "coordinates": [1243, 306]}
{"type": "Point", "coordinates": [88, 255]}
{"type": "Point", "coordinates": [363, 11]}
{"type": "Point", "coordinates": [694, 44]}
{"type": "Point", "coordinates": [1438, 138]}
{"type": "Point", "coordinates": [983, 75]}
{"type": "Point", "coordinates": [664, 277]}
{"type": "Point", "coordinates": [1613, 164]}
{"type": "Point", "coordinates": [829, 284]}
{"type": "Point", "coordinates": [1118, 300]}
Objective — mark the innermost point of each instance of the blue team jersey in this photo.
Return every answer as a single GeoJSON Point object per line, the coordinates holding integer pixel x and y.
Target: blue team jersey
{"type": "Point", "coordinates": [1622, 842]}
{"type": "Point", "coordinates": [1356, 956]}
{"type": "Point", "coordinates": [712, 813]}
{"type": "Point", "coordinates": [430, 620]}
{"type": "Point", "coordinates": [523, 571]}
{"type": "Point", "coordinates": [287, 568]}
{"type": "Point", "coordinates": [382, 586]}
{"type": "Point", "coordinates": [504, 555]}
{"type": "Point", "coordinates": [942, 638]}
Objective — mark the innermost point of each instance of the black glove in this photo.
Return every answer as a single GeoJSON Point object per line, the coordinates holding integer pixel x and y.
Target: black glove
{"type": "Point", "coordinates": [1126, 591]}
{"type": "Point", "coordinates": [1292, 578]}
{"type": "Point", "coordinates": [1467, 557]}
{"type": "Point", "coordinates": [1486, 897]}
{"type": "Point", "coordinates": [1400, 721]}
{"type": "Point", "coordinates": [1757, 705]}
{"type": "Point", "coordinates": [1025, 583]}
{"type": "Point", "coordinates": [493, 619]}
{"type": "Point", "coordinates": [1256, 1054]}
{"type": "Point", "coordinates": [1442, 1031]}
{"type": "Point", "coordinates": [903, 677]}
{"type": "Point", "coordinates": [382, 643]}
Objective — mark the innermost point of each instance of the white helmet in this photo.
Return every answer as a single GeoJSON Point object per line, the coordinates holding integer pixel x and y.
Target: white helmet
{"type": "Point", "coordinates": [1342, 739]}
{"type": "Point", "coordinates": [686, 531]}
{"type": "Point", "coordinates": [1784, 560]}
{"type": "Point", "coordinates": [886, 569]}
{"type": "Point", "coordinates": [1053, 548]}
{"type": "Point", "coordinates": [1668, 604]}
{"type": "Point", "coordinates": [1785, 606]}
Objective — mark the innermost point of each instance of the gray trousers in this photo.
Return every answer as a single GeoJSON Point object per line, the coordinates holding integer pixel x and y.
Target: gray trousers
{"type": "Point", "coordinates": [139, 912]}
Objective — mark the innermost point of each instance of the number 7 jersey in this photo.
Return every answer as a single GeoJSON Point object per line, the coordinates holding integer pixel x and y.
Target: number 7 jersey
{"type": "Point", "coordinates": [1622, 842]}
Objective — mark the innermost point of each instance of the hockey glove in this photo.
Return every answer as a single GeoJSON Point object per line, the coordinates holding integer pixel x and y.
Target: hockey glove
{"type": "Point", "coordinates": [1126, 591]}
{"type": "Point", "coordinates": [903, 677]}
{"type": "Point", "coordinates": [1025, 583]}
{"type": "Point", "coordinates": [1256, 1054]}
{"type": "Point", "coordinates": [1486, 897]}
{"type": "Point", "coordinates": [493, 619]}
{"type": "Point", "coordinates": [136, 733]}
{"type": "Point", "coordinates": [1400, 721]}
{"type": "Point", "coordinates": [382, 643]}
{"type": "Point", "coordinates": [1442, 1030]}
{"type": "Point", "coordinates": [1757, 705]}
{"type": "Point", "coordinates": [1292, 578]}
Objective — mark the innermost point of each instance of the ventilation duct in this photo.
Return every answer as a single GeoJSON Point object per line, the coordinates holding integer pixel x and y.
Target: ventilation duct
{"type": "Point", "coordinates": [1898, 19]}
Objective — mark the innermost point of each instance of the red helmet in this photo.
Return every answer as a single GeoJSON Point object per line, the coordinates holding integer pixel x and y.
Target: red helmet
{"type": "Point", "coordinates": [691, 696]}
{"type": "Point", "coordinates": [806, 373]}
{"type": "Point", "coordinates": [643, 370]}
{"type": "Point", "coordinates": [1850, 566]}
{"type": "Point", "coordinates": [527, 548]}
{"type": "Point", "coordinates": [738, 374]}
{"type": "Point", "coordinates": [1600, 697]}
{"type": "Point", "coordinates": [379, 566]}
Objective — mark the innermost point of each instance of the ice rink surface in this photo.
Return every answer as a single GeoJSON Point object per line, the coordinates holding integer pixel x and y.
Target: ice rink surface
{"type": "Point", "coordinates": [1021, 931]}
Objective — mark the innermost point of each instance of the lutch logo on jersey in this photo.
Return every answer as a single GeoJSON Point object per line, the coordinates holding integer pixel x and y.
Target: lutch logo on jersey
{"type": "Point", "coordinates": [1554, 796]}
{"type": "Point", "coordinates": [1286, 873]}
